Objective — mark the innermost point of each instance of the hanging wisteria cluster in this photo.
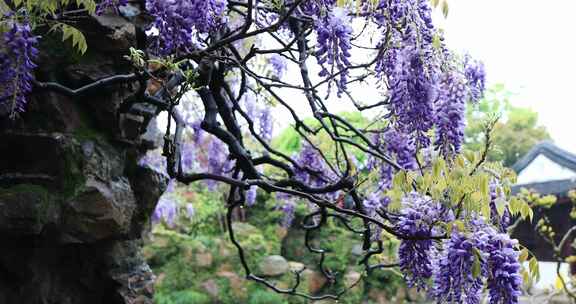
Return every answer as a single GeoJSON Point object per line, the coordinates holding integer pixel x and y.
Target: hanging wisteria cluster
{"type": "Point", "coordinates": [17, 55]}
{"type": "Point", "coordinates": [399, 175]}
{"type": "Point", "coordinates": [467, 260]}
{"type": "Point", "coordinates": [181, 23]}
{"type": "Point", "coordinates": [334, 33]}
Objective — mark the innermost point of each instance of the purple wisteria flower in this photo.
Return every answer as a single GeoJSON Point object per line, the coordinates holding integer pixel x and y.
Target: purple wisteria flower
{"type": "Point", "coordinates": [265, 124]}
{"type": "Point", "coordinates": [454, 281]}
{"type": "Point", "coordinates": [504, 280]}
{"type": "Point", "coordinates": [251, 196]}
{"type": "Point", "coordinates": [278, 64]}
{"type": "Point", "coordinates": [476, 76]}
{"type": "Point", "coordinates": [450, 114]}
{"type": "Point", "coordinates": [167, 207]}
{"type": "Point", "coordinates": [496, 259]}
{"type": "Point", "coordinates": [188, 156]}
{"type": "Point", "coordinates": [217, 160]}
{"type": "Point", "coordinates": [413, 90]}
{"type": "Point", "coordinates": [17, 53]}
{"type": "Point", "coordinates": [416, 220]}
{"type": "Point", "coordinates": [170, 209]}
{"type": "Point", "coordinates": [334, 32]}
{"type": "Point", "coordinates": [198, 133]}
{"type": "Point", "coordinates": [179, 21]}
{"type": "Point", "coordinates": [312, 8]}
{"type": "Point", "coordinates": [409, 66]}
{"type": "Point", "coordinates": [288, 208]}
{"type": "Point", "coordinates": [155, 161]}
{"type": "Point", "coordinates": [402, 147]}
{"type": "Point", "coordinates": [314, 171]}
{"type": "Point", "coordinates": [372, 203]}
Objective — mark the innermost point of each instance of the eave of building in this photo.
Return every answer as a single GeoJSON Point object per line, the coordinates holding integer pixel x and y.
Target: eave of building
{"type": "Point", "coordinates": [546, 169]}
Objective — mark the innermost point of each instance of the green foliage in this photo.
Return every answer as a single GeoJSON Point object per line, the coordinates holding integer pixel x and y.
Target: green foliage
{"type": "Point", "coordinates": [260, 296]}
{"type": "Point", "coordinates": [535, 199]}
{"type": "Point", "coordinates": [173, 257]}
{"type": "Point", "coordinates": [52, 6]}
{"type": "Point", "coordinates": [208, 214]}
{"type": "Point", "coordinates": [461, 184]}
{"type": "Point", "coordinates": [513, 136]}
{"type": "Point", "coordinates": [70, 32]}
{"type": "Point", "coordinates": [183, 297]}
{"type": "Point", "coordinates": [38, 12]}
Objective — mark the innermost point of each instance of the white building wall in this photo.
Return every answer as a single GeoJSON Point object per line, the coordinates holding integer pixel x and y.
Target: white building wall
{"type": "Point", "coordinates": [543, 169]}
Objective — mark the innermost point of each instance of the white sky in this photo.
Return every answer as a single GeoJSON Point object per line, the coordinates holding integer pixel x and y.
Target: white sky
{"type": "Point", "coordinates": [529, 46]}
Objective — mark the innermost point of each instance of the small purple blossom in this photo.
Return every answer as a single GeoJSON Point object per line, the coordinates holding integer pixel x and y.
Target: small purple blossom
{"type": "Point", "coordinates": [504, 280]}
{"type": "Point", "coordinates": [288, 208]}
{"type": "Point", "coordinates": [190, 211]}
{"type": "Point", "coordinates": [251, 196]}
{"type": "Point", "coordinates": [313, 171]}
{"type": "Point", "coordinates": [372, 203]}
{"type": "Point", "coordinates": [412, 92]}
{"type": "Point", "coordinates": [409, 66]}
{"type": "Point", "coordinates": [188, 156]}
{"type": "Point", "coordinates": [265, 124]}
{"type": "Point", "coordinates": [278, 64]}
{"type": "Point", "coordinates": [476, 76]}
{"type": "Point", "coordinates": [167, 207]}
{"type": "Point", "coordinates": [155, 161]}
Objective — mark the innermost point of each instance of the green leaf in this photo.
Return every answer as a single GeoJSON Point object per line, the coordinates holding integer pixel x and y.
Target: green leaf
{"type": "Point", "coordinates": [484, 184]}
{"type": "Point", "coordinates": [526, 277]}
{"type": "Point", "coordinates": [534, 268]}
{"type": "Point", "coordinates": [396, 200]}
{"type": "Point", "coordinates": [460, 225]}
{"type": "Point", "coordinates": [476, 269]}
{"type": "Point", "coordinates": [526, 211]}
{"type": "Point", "coordinates": [500, 206]}
{"type": "Point", "coordinates": [4, 8]}
{"type": "Point", "coordinates": [437, 168]}
{"type": "Point", "coordinates": [445, 8]}
{"type": "Point", "coordinates": [523, 255]}
{"type": "Point", "coordinates": [514, 206]}
{"type": "Point", "coordinates": [486, 210]}
{"type": "Point", "coordinates": [78, 39]}
{"type": "Point", "coordinates": [558, 283]}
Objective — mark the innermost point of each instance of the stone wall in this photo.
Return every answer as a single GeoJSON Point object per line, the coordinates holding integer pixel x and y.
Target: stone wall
{"type": "Point", "coordinates": [73, 202]}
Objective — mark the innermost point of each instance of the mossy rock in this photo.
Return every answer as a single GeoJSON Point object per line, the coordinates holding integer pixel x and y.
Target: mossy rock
{"type": "Point", "coordinates": [27, 208]}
